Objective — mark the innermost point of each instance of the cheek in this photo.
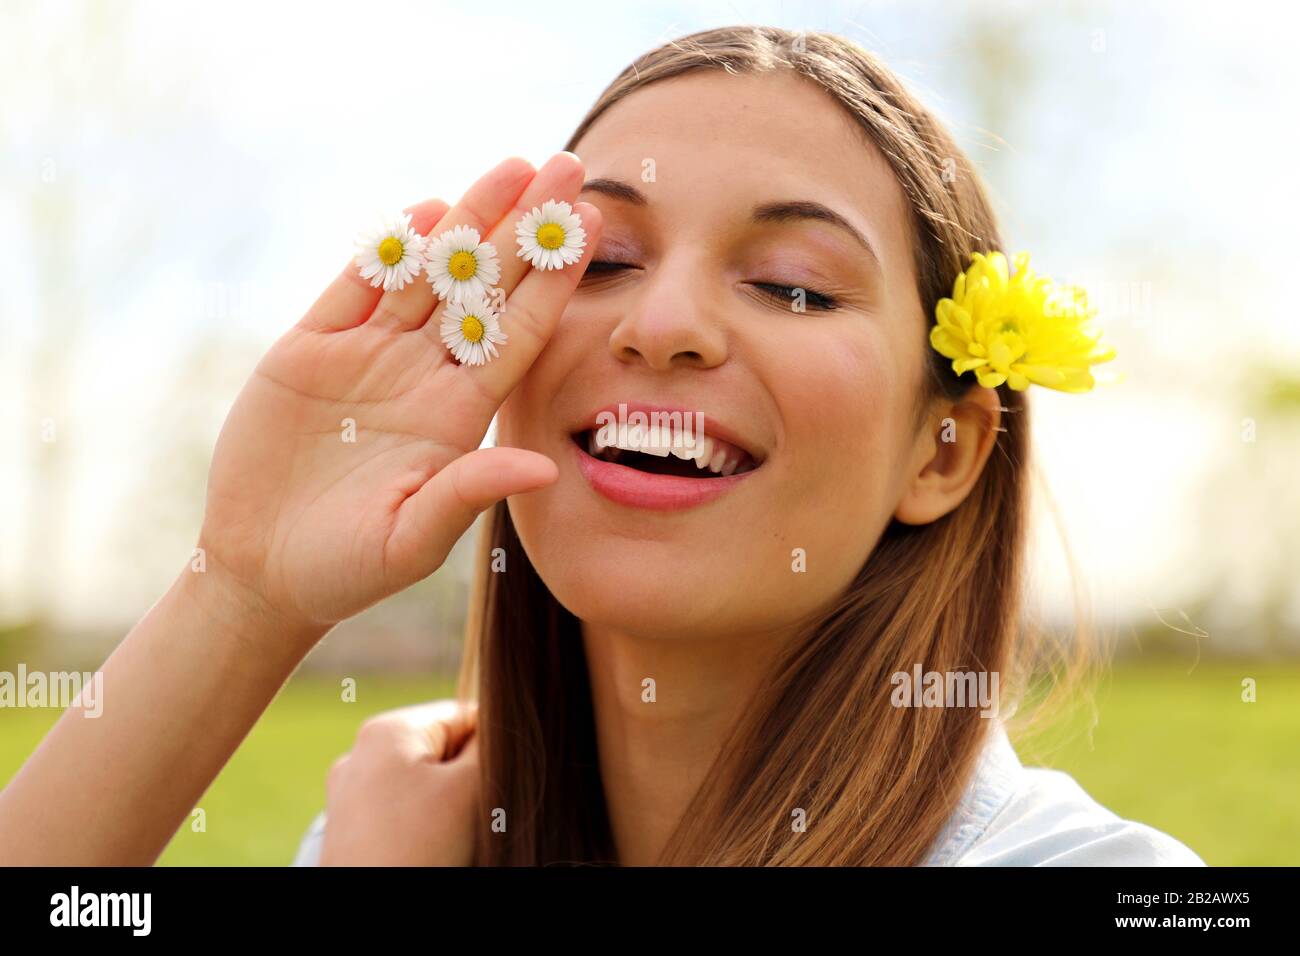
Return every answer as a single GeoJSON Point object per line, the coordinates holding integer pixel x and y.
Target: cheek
{"type": "Point", "coordinates": [844, 409]}
{"type": "Point", "coordinates": [514, 425]}
{"type": "Point", "coordinates": [521, 419]}
{"type": "Point", "coordinates": [845, 414]}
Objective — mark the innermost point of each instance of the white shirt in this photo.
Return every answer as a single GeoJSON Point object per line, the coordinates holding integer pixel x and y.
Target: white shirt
{"type": "Point", "coordinates": [1010, 815]}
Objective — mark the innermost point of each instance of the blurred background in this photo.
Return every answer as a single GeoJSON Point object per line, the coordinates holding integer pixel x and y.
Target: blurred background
{"type": "Point", "coordinates": [178, 181]}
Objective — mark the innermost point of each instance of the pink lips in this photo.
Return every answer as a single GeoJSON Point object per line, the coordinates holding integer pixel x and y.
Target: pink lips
{"type": "Point", "coordinates": [639, 489]}
{"type": "Point", "coordinates": [659, 492]}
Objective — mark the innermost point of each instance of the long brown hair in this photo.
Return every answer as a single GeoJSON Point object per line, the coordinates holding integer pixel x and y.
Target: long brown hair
{"type": "Point", "coordinates": [875, 782]}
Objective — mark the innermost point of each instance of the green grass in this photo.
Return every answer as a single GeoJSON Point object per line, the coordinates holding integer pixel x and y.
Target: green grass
{"type": "Point", "coordinates": [259, 807]}
{"type": "Point", "coordinates": [1183, 753]}
{"type": "Point", "coordinates": [264, 800]}
{"type": "Point", "coordinates": [1179, 752]}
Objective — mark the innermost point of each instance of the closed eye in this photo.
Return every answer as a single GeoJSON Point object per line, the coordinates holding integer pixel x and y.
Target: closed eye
{"type": "Point", "coordinates": [604, 267]}
{"type": "Point", "coordinates": [785, 294]}
{"type": "Point", "coordinates": [788, 295]}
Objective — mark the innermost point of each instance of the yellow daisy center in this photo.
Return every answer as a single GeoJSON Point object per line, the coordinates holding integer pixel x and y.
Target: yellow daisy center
{"type": "Point", "coordinates": [550, 236]}
{"type": "Point", "coordinates": [390, 251]}
{"type": "Point", "coordinates": [462, 265]}
{"type": "Point", "coordinates": [471, 328]}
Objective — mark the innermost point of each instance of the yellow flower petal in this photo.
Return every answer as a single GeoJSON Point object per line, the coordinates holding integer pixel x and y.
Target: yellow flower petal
{"type": "Point", "coordinates": [947, 344]}
{"type": "Point", "coordinates": [1017, 327]}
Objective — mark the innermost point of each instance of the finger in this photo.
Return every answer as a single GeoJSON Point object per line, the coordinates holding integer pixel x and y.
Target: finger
{"type": "Point", "coordinates": [468, 755]}
{"type": "Point", "coordinates": [436, 729]}
{"type": "Point", "coordinates": [430, 521]}
{"type": "Point", "coordinates": [447, 734]}
{"type": "Point", "coordinates": [338, 768]}
{"type": "Point", "coordinates": [531, 315]}
{"type": "Point", "coordinates": [457, 746]}
{"type": "Point", "coordinates": [560, 178]}
{"type": "Point", "coordinates": [349, 300]}
{"type": "Point", "coordinates": [484, 203]}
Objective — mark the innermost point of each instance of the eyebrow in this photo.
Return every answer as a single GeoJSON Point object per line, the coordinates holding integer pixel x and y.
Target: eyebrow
{"type": "Point", "coordinates": [792, 210]}
{"type": "Point", "coordinates": [796, 210]}
{"type": "Point", "coordinates": [615, 189]}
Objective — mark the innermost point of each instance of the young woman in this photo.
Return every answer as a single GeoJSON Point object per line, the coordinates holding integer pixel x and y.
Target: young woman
{"type": "Point", "coordinates": [667, 662]}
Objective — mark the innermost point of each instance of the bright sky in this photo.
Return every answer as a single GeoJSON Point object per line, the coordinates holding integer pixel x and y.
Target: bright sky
{"type": "Point", "coordinates": [213, 161]}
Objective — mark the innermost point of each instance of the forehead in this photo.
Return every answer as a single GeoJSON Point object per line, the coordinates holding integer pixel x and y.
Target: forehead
{"type": "Point", "coordinates": [720, 139]}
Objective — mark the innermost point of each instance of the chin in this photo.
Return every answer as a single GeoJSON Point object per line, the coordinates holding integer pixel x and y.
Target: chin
{"type": "Point", "coordinates": [656, 585]}
{"type": "Point", "coordinates": [624, 550]}
{"type": "Point", "coordinates": [644, 585]}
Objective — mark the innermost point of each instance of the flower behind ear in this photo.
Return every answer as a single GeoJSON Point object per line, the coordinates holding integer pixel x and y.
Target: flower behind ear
{"type": "Point", "coordinates": [1018, 328]}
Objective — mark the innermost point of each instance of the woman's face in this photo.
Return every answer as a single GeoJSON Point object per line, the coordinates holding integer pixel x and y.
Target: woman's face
{"type": "Point", "coordinates": [720, 194]}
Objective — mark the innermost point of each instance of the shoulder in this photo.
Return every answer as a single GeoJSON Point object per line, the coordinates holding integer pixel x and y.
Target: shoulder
{"type": "Point", "coordinates": [1053, 821]}
{"type": "Point", "coordinates": [1027, 816]}
{"type": "Point", "coordinates": [309, 849]}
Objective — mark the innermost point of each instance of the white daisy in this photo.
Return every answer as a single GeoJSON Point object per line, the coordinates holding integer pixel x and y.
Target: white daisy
{"type": "Point", "coordinates": [551, 236]}
{"type": "Point", "coordinates": [391, 255]}
{"type": "Point", "coordinates": [459, 266]}
{"type": "Point", "coordinates": [471, 330]}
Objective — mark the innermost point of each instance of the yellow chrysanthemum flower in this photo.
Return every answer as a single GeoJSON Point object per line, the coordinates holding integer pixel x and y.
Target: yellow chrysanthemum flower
{"type": "Point", "coordinates": [1018, 328]}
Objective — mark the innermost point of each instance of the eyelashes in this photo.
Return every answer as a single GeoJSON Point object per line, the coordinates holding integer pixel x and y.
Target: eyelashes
{"type": "Point", "coordinates": [775, 292]}
{"type": "Point", "coordinates": [786, 294]}
{"type": "Point", "coordinates": [602, 267]}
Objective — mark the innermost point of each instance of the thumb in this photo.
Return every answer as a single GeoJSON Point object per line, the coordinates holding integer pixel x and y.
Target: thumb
{"type": "Point", "coordinates": [451, 732]}
{"type": "Point", "coordinates": [468, 754]}
{"type": "Point", "coordinates": [433, 519]}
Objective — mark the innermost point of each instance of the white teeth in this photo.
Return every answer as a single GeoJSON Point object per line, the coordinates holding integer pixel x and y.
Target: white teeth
{"type": "Point", "coordinates": [662, 441]}
{"type": "Point", "coordinates": [688, 447]}
{"type": "Point", "coordinates": [656, 442]}
{"type": "Point", "coordinates": [703, 451]}
{"type": "Point", "coordinates": [636, 437]}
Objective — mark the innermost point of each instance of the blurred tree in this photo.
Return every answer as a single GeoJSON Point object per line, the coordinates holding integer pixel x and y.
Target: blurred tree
{"type": "Point", "coordinates": [73, 67]}
{"type": "Point", "coordinates": [1251, 529]}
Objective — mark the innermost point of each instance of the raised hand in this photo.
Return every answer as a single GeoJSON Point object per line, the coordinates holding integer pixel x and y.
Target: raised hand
{"type": "Point", "coordinates": [350, 462]}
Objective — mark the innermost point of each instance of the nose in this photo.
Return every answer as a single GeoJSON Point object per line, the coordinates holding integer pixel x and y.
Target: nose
{"type": "Point", "coordinates": [674, 322]}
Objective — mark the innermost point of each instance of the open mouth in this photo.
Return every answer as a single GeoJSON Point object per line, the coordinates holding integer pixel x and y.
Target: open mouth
{"type": "Point", "coordinates": [675, 454]}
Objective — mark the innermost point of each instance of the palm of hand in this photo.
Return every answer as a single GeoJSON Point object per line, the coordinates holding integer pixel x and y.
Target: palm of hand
{"type": "Point", "coordinates": [328, 439]}
{"type": "Point", "coordinates": [349, 464]}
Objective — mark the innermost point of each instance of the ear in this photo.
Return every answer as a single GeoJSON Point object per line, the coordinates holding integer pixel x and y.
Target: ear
{"type": "Point", "coordinates": [949, 454]}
